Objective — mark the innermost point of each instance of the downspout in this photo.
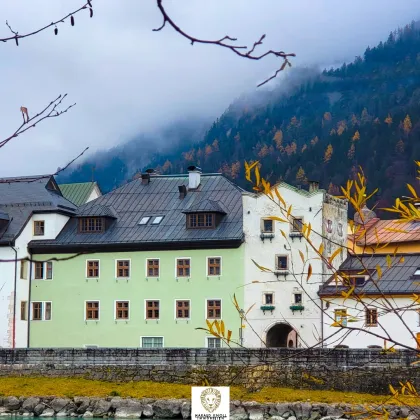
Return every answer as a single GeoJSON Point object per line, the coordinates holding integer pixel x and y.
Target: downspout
{"type": "Point", "coordinates": [14, 300]}
{"type": "Point", "coordinates": [322, 322]}
{"type": "Point", "coordinates": [29, 301]}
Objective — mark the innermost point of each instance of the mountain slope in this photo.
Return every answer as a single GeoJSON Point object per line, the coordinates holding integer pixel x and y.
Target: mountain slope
{"type": "Point", "coordinates": [366, 113]}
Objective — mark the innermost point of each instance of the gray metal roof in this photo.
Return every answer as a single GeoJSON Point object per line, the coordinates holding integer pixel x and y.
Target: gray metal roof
{"type": "Point", "coordinates": [22, 196]}
{"type": "Point", "coordinates": [206, 206]}
{"type": "Point", "coordinates": [160, 197]}
{"type": "Point", "coordinates": [397, 279]}
{"type": "Point", "coordinates": [98, 210]}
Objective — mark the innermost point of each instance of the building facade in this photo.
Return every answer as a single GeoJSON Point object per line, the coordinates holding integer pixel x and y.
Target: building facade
{"type": "Point", "coordinates": [285, 307]}
{"type": "Point", "coordinates": [31, 209]}
{"type": "Point", "coordinates": [144, 265]}
{"type": "Point", "coordinates": [383, 304]}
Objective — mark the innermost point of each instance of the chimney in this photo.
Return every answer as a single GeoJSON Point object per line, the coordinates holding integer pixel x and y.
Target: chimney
{"type": "Point", "coordinates": [194, 177]}
{"type": "Point", "coordinates": [313, 186]}
{"type": "Point", "coordinates": [182, 191]}
{"type": "Point", "coordinates": [145, 179]}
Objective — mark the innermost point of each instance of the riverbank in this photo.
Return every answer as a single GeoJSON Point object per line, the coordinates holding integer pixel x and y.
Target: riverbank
{"type": "Point", "coordinates": [60, 397]}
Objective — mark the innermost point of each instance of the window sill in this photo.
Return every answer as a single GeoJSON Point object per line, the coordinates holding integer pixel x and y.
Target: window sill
{"type": "Point", "coordinates": [153, 278]}
{"type": "Point", "coordinates": [267, 235]}
{"type": "Point", "coordinates": [295, 234]}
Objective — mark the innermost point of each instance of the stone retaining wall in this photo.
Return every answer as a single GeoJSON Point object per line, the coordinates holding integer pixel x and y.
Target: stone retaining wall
{"type": "Point", "coordinates": [357, 370]}
{"type": "Point", "coordinates": [116, 407]}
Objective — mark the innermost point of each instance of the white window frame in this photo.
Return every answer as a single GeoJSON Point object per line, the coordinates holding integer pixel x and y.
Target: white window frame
{"type": "Point", "coordinates": [145, 312]}
{"type": "Point", "coordinates": [176, 312]}
{"type": "Point", "coordinates": [99, 310]}
{"type": "Point", "coordinates": [207, 267]}
{"type": "Point", "coordinates": [221, 309]}
{"type": "Point", "coordinates": [152, 223]}
{"type": "Point", "coordinates": [116, 269]}
{"type": "Point", "coordinates": [43, 304]}
{"type": "Point", "coordinates": [44, 274]}
{"type": "Point", "coordinates": [176, 268]}
{"type": "Point", "coordinates": [146, 269]}
{"type": "Point", "coordinates": [294, 293]}
{"type": "Point", "coordinates": [262, 226]}
{"type": "Point", "coordinates": [26, 263]}
{"type": "Point", "coordinates": [152, 336]}
{"type": "Point", "coordinates": [99, 267]}
{"type": "Point", "coordinates": [268, 293]}
{"type": "Point", "coordinates": [215, 338]}
{"type": "Point", "coordinates": [129, 310]}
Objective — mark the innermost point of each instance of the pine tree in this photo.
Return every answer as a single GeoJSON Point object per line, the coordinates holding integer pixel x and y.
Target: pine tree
{"type": "Point", "coordinates": [314, 141]}
{"type": "Point", "coordinates": [350, 153]}
{"type": "Point", "coordinates": [301, 176]}
{"type": "Point", "coordinates": [388, 120]}
{"type": "Point", "coordinates": [356, 136]}
{"type": "Point", "coordinates": [400, 147]}
{"type": "Point", "coordinates": [407, 125]}
{"type": "Point", "coordinates": [278, 139]}
{"type": "Point", "coordinates": [328, 153]}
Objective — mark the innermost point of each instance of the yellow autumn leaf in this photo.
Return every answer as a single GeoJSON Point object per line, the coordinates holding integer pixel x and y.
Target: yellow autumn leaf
{"type": "Point", "coordinates": [209, 325]}
{"type": "Point", "coordinates": [280, 198]}
{"type": "Point", "coordinates": [321, 249]}
{"type": "Point", "coordinates": [249, 309]}
{"type": "Point", "coordinates": [216, 323]}
{"type": "Point", "coordinates": [402, 259]}
{"type": "Point", "coordinates": [222, 328]}
{"type": "Point", "coordinates": [335, 253]}
{"type": "Point", "coordinates": [283, 234]}
{"type": "Point", "coordinates": [257, 176]}
{"type": "Point", "coordinates": [229, 335]}
{"type": "Point", "coordinates": [309, 272]}
{"type": "Point", "coordinates": [302, 256]}
{"type": "Point", "coordinates": [261, 267]}
{"type": "Point", "coordinates": [379, 271]}
{"type": "Point", "coordinates": [412, 190]}
{"type": "Point", "coordinates": [278, 219]}
{"type": "Point", "coordinates": [289, 210]}
{"type": "Point", "coordinates": [235, 301]}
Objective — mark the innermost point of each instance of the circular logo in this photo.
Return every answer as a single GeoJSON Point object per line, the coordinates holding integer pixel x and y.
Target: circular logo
{"type": "Point", "coordinates": [210, 399]}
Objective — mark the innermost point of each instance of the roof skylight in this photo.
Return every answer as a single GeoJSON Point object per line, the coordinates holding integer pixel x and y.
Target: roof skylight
{"type": "Point", "coordinates": [157, 220]}
{"type": "Point", "coordinates": [144, 220]}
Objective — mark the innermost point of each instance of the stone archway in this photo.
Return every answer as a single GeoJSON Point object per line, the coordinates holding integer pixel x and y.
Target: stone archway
{"type": "Point", "coordinates": [281, 335]}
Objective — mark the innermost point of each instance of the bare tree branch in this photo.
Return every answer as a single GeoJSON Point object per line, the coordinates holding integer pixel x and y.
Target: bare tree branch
{"type": "Point", "coordinates": [240, 50]}
{"type": "Point", "coordinates": [16, 36]}
{"type": "Point", "coordinates": [50, 111]}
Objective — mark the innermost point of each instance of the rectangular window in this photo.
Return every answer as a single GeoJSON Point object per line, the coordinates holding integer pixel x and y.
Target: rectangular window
{"type": "Point", "coordinates": [182, 309]}
{"type": "Point", "coordinates": [214, 266]}
{"type": "Point", "coordinates": [91, 224]}
{"type": "Point", "coordinates": [49, 270]}
{"type": "Point", "coordinates": [282, 262]}
{"type": "Point", "coordinates": [297, 298]}
{"type": "Point", "coordinates": [47, 311]}
{"type": "Point", "coordinates": [122, 310]}
{"type": "Point", "coordinates": [201, 221]}
{"type": "Point", "coordinates": [340, 316]}
{"type": "Point", "coordinates": [123, 268]}
{"type": "Point", "coordinates": [371, 317]}
{"type": "Point", "coordinates": [357, 281]}
{"type": "Point", "coordinates": [152, 342]}
{"type": "Point", "coordinates": [23, 310]}
{"type": "Point", "coordinates": [92, 269]}
{"type": "Point", "coordinates": [297, 224]}
{"type": "Point", "coordinates": [39, 228]}
{"type": "Point", "coordinates": [267, 226]}
{"type": "Point", "coordinates": [37, 311]}
{"type": "Point", "coordinates": [39, 270]}
{"type": "Point", "coordinates": [44, 270]}
{"type": "Point", "coordinates": [23, 269]}
{"type": "Point", "coordinates": [183, 267]}
{"type": "Point", "coordinates": [152, 268]}
{"type": "Point", "coordinates": [214, 309]}
{"type": "Point", "coordinates": [152, 309]}
{"type": "Point", "coordinates": [214, 343]}
{"type": "Point", "coordinates": [268, 298]}
{"type": "Point", "coordinates": [157, 220]}
{"type": "Point", "coordinates": [92, 310]}
{"type": "Point", "coordinates": [144, 220]}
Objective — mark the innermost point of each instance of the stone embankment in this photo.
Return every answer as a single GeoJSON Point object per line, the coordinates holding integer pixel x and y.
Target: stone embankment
{"type": "Point", "coordinates": [116, 407]}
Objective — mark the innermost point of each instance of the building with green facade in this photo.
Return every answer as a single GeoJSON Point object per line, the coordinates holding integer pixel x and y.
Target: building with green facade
{"type": "Point", "coordinates": [142, 266]}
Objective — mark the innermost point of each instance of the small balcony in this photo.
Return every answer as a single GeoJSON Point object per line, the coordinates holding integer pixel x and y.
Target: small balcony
{"type": "Point", "coordinates": [297, 307]}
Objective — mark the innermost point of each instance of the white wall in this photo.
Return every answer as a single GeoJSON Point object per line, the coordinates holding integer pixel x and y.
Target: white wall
{"type": "Point", "coordinates": [308, 323]}
{"type": "Point", "coordinates": [54, 223]}
{"type": "Point", "coordinates": [389, 321]}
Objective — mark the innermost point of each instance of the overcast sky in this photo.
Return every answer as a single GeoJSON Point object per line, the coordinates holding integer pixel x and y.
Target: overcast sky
{"type": "Point", "coordinates": [127, 79]}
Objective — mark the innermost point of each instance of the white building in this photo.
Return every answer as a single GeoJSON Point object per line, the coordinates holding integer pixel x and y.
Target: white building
{"type": "Point", "coordinates": [31, 208]}
{"type": "Point", "coordinates": [285, 306]}
{"type": "Point", "coordinates": [382, 306]}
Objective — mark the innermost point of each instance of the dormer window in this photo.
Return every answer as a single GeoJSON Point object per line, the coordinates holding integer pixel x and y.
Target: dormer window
{"type": "Point", "coordinates": [201, 221]}
{"type": "Point", "coordinates": [91, 225]}
{"type": "Point", "coordinates": [357, 281]}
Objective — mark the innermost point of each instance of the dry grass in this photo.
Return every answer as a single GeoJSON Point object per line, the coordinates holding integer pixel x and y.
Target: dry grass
{"type": "Point", "coordinates": [62, 387]}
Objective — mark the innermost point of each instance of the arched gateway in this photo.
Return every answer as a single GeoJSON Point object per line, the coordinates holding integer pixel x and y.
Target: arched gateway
{"type": "Point", "coordinates": [281, 335]}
